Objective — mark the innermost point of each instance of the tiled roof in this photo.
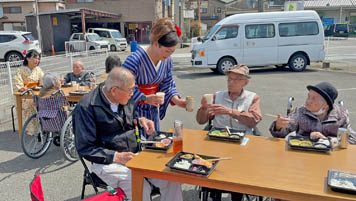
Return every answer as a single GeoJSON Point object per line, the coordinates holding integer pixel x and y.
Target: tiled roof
{"type": "Point", "coordinates": [329, 3]}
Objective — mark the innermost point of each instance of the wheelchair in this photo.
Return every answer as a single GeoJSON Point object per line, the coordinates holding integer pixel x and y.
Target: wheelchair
{"type": "Point", "coordinates": [51, 123]}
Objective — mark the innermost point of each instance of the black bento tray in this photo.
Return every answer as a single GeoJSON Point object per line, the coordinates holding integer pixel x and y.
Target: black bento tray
{"type": "Point", "coordinates": [201, 170]}
{"type": "Point", "coordinates": [226, 138]}
{"type": "Point", "coordinates": [66, 85]}
{"type": "Point", "coordinates": [309, 148]}
{"type": "Point", "coordinates": [342, 176]}
{"type": "Point", "coordinates": [78, 93]}
{"type": "Point", "coordinates": [154, 137]}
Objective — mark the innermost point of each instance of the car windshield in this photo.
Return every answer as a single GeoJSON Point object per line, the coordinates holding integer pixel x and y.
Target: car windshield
{"type": "Point", "coordinates": [210, 33]}
{"type": "Point", "coordinates": [116, 34]}
{"type": "Point", "coordinates": [94, 37]}
{"type": "Point", "coordinates": [29, 37]}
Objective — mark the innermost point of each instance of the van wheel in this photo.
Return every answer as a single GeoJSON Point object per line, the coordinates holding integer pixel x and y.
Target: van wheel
{"type": "Point", "coordinates": [113, 48]}
{"type": "Point", "coordinates": [298, 63]}
{"type": "Point", "coordinates": [225, 64]}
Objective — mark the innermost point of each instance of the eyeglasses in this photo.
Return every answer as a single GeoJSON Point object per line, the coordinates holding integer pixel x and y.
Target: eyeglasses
{"type": "Point", "coordinates": [129, 91]}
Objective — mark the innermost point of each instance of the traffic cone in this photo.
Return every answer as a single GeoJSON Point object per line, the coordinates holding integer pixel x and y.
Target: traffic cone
{"type": "Point", "coordinates": [53, 52]}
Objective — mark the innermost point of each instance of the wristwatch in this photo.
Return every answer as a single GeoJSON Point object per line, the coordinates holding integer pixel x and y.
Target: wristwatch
{"type": "Point", "coordinates": [143, 99]}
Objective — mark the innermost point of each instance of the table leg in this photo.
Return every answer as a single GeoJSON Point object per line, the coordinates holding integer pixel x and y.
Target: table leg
{"type": "Point", "coordinates": [137, 185]}
{"type": "Point", "coordinates": [19, 113]}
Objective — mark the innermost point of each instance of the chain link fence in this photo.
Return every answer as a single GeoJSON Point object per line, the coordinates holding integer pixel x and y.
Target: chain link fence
{"type": "Point", "coordinates": [94, 61]}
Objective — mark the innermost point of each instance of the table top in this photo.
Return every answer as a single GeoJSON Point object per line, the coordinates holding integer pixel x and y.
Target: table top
{"type": "Point", "coordinates": [265, 166]}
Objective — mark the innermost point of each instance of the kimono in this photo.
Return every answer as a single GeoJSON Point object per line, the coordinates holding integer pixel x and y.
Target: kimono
{"type": "Point", "coordinates": [141, 65]}
{"type": "Point", "coordinates": [27, 77]}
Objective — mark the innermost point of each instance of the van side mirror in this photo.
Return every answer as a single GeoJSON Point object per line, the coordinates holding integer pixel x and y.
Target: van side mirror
{"type": "Point", "coordinates": [199, 39]}
{"type": "Point", "coordinates": [213, 38]}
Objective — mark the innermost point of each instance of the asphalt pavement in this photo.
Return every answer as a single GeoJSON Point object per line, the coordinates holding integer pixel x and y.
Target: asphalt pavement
{"type": "Point", "coordinates": [62, 180]}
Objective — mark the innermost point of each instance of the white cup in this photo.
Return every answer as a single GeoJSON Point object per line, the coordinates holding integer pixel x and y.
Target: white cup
{"type": "Point", "coordinates": [81, 88]}
{"type": "Point", "coordinates": [76, 87]}
{"type": "Point", "coordinates": [74, 83]}
{"type": "Point", "coordinates": [190, 101]}
{"type": "Point", "coordinates": [209, 98]}
{"type": "Point", "coordinates": [161, 94]}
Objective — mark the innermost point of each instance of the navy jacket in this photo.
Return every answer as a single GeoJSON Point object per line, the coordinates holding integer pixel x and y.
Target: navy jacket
{"type": "Point", "coordinates": [99, 131]}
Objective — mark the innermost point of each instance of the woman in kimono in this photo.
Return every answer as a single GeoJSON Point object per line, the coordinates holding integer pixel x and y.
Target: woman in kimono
{"type": "Point", "coordinates": [152, 67]}
{"type": "Point", "coordinates": [28, 76]}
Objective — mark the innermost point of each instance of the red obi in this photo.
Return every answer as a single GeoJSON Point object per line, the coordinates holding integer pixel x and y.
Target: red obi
{"type": "Point", "coordinates": [148, 89]}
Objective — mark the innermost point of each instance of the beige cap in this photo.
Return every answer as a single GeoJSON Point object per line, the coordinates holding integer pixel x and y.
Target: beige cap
{"type": "Point", "coordinates": [239, 69]}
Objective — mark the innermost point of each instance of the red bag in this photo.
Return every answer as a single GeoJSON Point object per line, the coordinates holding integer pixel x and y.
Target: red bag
{"type": "Point", "coordinates": [119, 196]}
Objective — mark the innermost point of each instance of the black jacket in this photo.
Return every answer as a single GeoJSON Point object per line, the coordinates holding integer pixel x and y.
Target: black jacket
{"type": "Point", "coordinates": [99, 131]}
{"type": "Point", "coordinates": [82, 79]}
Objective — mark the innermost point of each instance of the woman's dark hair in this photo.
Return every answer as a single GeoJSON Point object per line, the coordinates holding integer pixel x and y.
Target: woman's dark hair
{"type": "Point", "coordinates": [31, 54]}
{"type": "Point", "coordinates": [112, 62]}
{"type": "Point", "coordinates": [169, 40]}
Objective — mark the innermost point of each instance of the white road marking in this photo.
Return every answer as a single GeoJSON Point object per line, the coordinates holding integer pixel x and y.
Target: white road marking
{"type": "Point", "coordinates": [347, 89]}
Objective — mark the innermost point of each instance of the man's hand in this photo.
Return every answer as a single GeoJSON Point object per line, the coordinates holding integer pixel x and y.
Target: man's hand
{"type": "Point", "coordinates": [217, 109]}
{"type": "Point", "coordinates": [123, 157]}
{"type": "Point", "coordinates": [204, 103]}
{"type": "Point", "coordinates": [154, 100]}
{"type": "Point", "coordinates": [282, 122]}
{"type": "Point", "coordinates": [180, 102]}
{"type": "Point", "coordinates": [147, 124]}
{"type": "Point", "coordinates": [316, 135]}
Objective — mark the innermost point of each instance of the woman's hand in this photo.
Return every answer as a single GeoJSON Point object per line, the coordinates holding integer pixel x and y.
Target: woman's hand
{"type": "Point", "coordinates": [282, 122]}
{"type": "Point", "coordinates": [316, 135]}
{"type": "Point", "coordinates": [217, 109]}
{"type": "Point", "coordinates": [154, 100]}
{"type": "Point", "coordinates": [180, 102]}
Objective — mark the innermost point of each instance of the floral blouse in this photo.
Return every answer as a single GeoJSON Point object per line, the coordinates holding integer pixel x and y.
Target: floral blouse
{"type": "Point", "coordinates": [25, 76]}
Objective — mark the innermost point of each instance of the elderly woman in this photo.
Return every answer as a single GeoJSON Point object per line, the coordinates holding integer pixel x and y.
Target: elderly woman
{"type": "Point", "coordinates": [78, 75]}
{"type": "Point", "coordinates": [50, 83]}
{"type": "Point", "coordinates": [152, 67]}
{"type": "Point", "coordinates": [318, 118]}
{"type": "Point", "coordinates": [111, 62]}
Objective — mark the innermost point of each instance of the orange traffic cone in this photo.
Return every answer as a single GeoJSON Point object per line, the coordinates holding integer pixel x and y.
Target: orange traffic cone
{"type": "Point", "coordinates": [53, 52]}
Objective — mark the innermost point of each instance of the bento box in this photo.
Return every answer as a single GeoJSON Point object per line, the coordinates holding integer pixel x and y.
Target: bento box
{"type": "Point", "coordinates": [222, 134]}
{"type": "Point", "coordinates": [340, 181]}
{"type": "Point", "coordinates": [192, 164]}
{"type": "Point", "coordinates": [305, 143]}
{"type": "Point", "coordinates": [158, 136]}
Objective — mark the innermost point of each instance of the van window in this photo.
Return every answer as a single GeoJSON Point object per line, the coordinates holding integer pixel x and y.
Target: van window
{"type": "Point", "coordinates": [116, 34]}
{"type": "Point", "coordinates": [211, 32]}
{"type": "Point", "coordinates": [76, 37]}
{"type": "Point", "coordinates": [227, 32]}
{"type": "Point", "coordinates": [341, 27]}
{"type": "Point", "coordinates": [298, 29]}
{"type": "Point", "coordinates": [259, 31]}
{"type": "Point", "coordinates": [103, 34]}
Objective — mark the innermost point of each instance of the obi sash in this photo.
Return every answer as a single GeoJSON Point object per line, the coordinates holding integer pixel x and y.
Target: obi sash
{"type": "Point", "coordinates": [148, 89]}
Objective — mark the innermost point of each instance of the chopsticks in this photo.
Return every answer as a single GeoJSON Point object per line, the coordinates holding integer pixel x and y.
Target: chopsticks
{"type": "Point", "coordinates": [150, 142]}
{"type": "Point", "coordinates": [275, 116]}
{"type": "Point", "coordinates": [219, 159]}
{"type": "Point", "coordinates": [228, 130]}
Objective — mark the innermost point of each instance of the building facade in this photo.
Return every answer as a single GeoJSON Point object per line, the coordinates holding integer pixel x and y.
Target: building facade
{"type": "Point", "coordinates": [13, 11]}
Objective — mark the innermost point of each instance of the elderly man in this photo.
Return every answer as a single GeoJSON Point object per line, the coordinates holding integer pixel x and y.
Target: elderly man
{"type": "Point", "coordinates": [236, 108]}
{"type": "Point", "coordinates": [318, 118]}
{"type": "Point", "coordinates": [78, 74]}
{"type": "Point", "coordinates": [103, 123]}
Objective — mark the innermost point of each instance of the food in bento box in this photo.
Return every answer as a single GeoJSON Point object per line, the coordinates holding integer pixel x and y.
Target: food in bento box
{"type": "Point", "coordinates": [343, 183]}
{"type": "Point", "coordinates": [187, 156]}
{"type": "Point", "coordinates": [323, 146]}
{"type": "Point", "coordinates": [160, 136]}
{"type": "Point", "coordinates": [219, 133]}
{"type": "Point", "coordinates": [295, 142]}
{"type": "Point", "coordinates": [326, 142]}
{"type": "Point", "coordinates": [306, 143]}
{"type": "Point", "coordinates": [183, 164]}
{"type": "Point", "coordinates": [203, 162]}
{"type": "Point", "coordinates": [163, 143]}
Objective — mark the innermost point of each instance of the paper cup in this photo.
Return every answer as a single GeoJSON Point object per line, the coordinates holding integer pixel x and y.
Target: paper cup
{"type": "Point", "coordinates": [189, 106]}
{"type": "Point", "coordinates": [161, 94]}
{"type": "Point", "coordinates": [209, 98]}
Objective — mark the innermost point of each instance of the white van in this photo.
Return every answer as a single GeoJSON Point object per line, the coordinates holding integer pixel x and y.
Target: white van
{"type": "Point", "coordinates": [89, 41]}
{"type": "Point", "coordinates": [293, 38]}
{"type": "Point", "coordinates": [113, 36]}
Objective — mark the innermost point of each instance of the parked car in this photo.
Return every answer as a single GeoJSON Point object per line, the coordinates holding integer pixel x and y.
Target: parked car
{"type": "Point", "coordinates": [89, 41]}
{"type": "Point", "coordinates": [292, 38]}
{"type": "Point", "coordinates": [14, 45]}
{"type": "Point", "coordinates": [113, 36]}
{"type": "Point", "coordinates": [337, 30]}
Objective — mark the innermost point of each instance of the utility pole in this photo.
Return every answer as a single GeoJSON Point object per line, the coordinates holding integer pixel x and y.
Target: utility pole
{"type": "Point", "coordinates": [198, 2]}
{"type": "Point", "coordinates": [38, 25]}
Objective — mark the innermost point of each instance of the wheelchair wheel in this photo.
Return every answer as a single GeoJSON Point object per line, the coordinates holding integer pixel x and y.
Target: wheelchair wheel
{"type": "Point", "coordinates": [34, 142]}
{"type": "Point", "coordinates": [67, 141]}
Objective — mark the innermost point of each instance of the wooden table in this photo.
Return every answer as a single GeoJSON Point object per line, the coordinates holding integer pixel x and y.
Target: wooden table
{"type": "Point", "coordinates": [265, 167]}
{"type": "Point", "coordinates": [19, 99]}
